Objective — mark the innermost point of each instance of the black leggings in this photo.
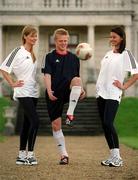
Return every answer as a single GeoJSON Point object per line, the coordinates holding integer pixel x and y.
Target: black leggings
{"type": "Point", "coordinates": [30, 123]}
{"type": "Point", "coordinates": [107, 110]}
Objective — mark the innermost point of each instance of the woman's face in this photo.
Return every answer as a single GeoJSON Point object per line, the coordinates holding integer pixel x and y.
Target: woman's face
{"type": "Point", "coordinates": [31, 39]}
{"type": "Point", "coordinates": [115, 39]}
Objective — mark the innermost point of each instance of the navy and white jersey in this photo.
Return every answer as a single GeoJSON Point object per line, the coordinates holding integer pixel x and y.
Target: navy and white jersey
{"type": "Point", "coordinates": [62, 68]}
{"type": "Point", "coordinates": [20, 62]}
{"type": "Point", "coordinates": [114, 67]}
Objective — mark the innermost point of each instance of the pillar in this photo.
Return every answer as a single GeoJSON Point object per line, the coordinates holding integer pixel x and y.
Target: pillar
{"type": "Point", "coordinates": [91, 73]}
{"type": "Point", "coordinates": [128, 30]}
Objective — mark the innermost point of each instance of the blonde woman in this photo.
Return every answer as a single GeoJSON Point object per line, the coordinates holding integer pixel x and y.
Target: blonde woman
{"type": "Point", "coordinates": [22, 62]}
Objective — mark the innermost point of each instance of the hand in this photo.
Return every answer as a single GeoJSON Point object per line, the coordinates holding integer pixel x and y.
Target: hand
{"type": "Point", "coordinates": [118, 84]}
{"type": "Point", "coordinates": [83, 94]}
{"type": "Point", "coordinates": [19, 83]}
{"type": "Point", "coordinates": [51, 96]}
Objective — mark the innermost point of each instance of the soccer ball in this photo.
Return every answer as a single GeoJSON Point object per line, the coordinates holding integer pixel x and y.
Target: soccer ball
{"type": "Point", "coordinates": [83, 51]}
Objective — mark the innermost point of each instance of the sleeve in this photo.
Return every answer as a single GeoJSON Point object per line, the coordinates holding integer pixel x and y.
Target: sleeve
{"type": "Point", "coordinates": [8, 63]}
{"type": "Point", "coordinates": [130, 64]}
{"type": "Point", "coordinates": [47, 67]}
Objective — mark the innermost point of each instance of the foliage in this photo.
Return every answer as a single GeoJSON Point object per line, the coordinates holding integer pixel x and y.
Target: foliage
{"type": "Point", "coordinates": [3, 103]}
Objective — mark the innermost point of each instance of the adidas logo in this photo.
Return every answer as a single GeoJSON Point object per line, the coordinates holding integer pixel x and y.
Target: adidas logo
{"type": "Point", "coordinates": [73, 100]}
{"type": "Point", "coordinates": [57, 61]}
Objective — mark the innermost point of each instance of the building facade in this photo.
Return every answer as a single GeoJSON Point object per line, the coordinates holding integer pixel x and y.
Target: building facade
{"type": "Point", "coordinates": [86, 20]}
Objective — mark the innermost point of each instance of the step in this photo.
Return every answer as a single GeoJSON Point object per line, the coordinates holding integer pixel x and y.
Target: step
{"type": "Point", "coordinates": [87, 118]}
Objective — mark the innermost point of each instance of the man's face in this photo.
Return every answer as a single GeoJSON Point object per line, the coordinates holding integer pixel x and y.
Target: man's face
{"type": "Point", "coordinates": [61, 42]}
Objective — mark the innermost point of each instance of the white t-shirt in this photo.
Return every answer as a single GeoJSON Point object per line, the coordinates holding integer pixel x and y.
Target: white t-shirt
{"type": "Point", "coordinates": [114, 67]}
{"type": "Point", "coordinates": [20, 62]}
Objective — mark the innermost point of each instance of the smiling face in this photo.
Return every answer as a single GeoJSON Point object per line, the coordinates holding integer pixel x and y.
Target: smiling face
{"type": "Point", "coordinates": [31, 38]}
{"type": "Point", "coordinates": [115, 40]}
{"type": "Point", "coordinates": [29, 35]}
{"type": "Point", "coordinates": [61, 42]}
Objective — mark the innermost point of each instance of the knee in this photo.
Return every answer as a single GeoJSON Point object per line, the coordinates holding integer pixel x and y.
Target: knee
{"type": "Point", "coordinates": [56, 125]}
{"type": "Point", "coordinates": [35, 124]}
{"type": "Point", "coordinates": [76, 81]}
{"type": "Point", "coordinates": [107, 126]}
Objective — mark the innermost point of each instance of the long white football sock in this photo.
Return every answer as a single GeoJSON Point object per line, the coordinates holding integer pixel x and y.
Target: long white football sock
{"type": "Point", "coordinates": [74, 96]}
{"type": "Point", "coordinates": [60, 140]}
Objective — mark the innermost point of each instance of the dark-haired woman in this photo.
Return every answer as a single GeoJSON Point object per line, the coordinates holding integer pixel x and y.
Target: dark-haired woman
{"type": "Point", "coordinates": [109, 87]}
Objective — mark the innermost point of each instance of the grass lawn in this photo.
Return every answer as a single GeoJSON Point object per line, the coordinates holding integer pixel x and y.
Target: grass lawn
{"type": "Point", "coordinates": [127, 122]}
{"type": "Point", "coordinates": [130, 141]}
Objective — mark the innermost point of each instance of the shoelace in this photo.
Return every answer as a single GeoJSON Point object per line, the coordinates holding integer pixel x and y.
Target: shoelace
{"type": "Point", "coordinates": [116, 160]}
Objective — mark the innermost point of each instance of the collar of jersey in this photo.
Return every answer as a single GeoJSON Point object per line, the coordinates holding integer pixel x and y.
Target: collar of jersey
{"type": "Point", "coordinates": [61, 54]}
{"type": "Point", "coordinates": [22, 47]}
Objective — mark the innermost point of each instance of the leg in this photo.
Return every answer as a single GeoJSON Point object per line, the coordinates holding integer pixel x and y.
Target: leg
{"type": "Point", "coordinates": [29, 105]}
{"type": "Point", "coordinates": [60, 140]}
{"type": "Point", "coordinates": [111, 107]}
{"type": "Point", "coordinates": [107, 111]}
{"type": "Point", "coordinates": [101, 107]}
{"type": "Point", "coordinates": [31, 123]}
{"type": "Point", "coordinates": [55, 109]}
{"type": "Point", "coordinates": [76, 88]}
{"type": "Point", "coordinates": [112, 137]}
{"type": "Point", "coordinates": [24, 133]}
{"type": "Point", "coordinates": [25, 130]}
{"type": "Point", "coordinates": [22, 157]}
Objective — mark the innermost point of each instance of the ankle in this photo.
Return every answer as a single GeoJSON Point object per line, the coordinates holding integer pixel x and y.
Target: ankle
{"type": "Point", "coordinates": [22, 153]}
{"type": "Point", "coordinates": [30, 154]}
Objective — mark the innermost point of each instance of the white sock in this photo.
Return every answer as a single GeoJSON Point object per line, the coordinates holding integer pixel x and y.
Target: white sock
{"type": "Point", "coordinates": [74, 96]}
{"type": "Point", "coordinates": [30, 154]}
{"type": "Point", "coordinates": [60, 140]}
{"type": "Point", "coordinates": [115, 152]}
{"type": "Point", "coordinates": [22, 154]}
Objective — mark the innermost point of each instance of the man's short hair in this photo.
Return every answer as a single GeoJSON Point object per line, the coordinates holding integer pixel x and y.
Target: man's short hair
{"type": "Point", "coordinates": [60, 31]}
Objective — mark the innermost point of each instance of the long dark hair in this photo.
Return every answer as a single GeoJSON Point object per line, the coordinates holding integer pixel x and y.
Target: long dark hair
{"type": "Point", "coordinates": [120, 31]}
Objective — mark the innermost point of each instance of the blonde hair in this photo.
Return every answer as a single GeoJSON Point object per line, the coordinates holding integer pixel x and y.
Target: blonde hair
{"type": "Point", "coordinates": [60, 31]}
{"type": "Point", "coordinates": [29, 29]}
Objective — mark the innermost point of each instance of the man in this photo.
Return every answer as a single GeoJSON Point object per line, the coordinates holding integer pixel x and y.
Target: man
{"type": "Point", "coordinates": [63, 84]}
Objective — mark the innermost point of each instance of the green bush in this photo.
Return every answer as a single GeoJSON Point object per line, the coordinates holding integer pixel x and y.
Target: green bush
{"type": "Point", "coordinates": [3, 103]}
